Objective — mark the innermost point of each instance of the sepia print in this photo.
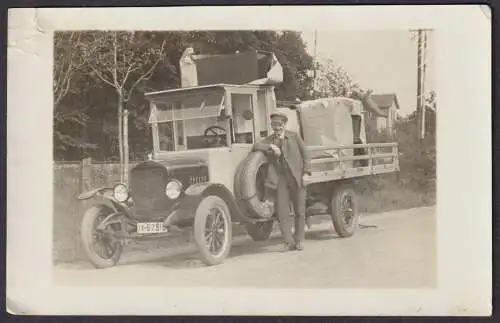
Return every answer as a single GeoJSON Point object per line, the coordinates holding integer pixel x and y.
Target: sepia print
{"type": "Point", "coordinates": [321, 160]}
{"type": "Point", "coordinates": [163, 149]}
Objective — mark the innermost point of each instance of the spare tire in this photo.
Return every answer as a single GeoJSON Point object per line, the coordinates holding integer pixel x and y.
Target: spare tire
{"type": "Point", "coordinates": [249, 185]}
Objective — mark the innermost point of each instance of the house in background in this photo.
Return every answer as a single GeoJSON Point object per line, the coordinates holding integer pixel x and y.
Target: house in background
{"type": "Point", "coordinates": [384, 121]}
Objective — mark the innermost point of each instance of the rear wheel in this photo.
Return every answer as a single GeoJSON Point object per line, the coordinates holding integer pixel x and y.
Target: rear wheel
{"type": "Point", "coordinates": [344, 211]}
{"type": "Point", "coordinates": [260, 231]}
{"type": "Point", "coordinates": [101, 247]}
{"type": "Point", "coordinates": [213, 230]}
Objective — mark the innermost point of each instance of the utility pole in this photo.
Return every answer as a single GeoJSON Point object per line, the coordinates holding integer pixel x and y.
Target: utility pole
{"type": "Point", "coordinates": [424, 68]}
{"type": "Point", "coordinates": [421, 69]}
{"type": "Point", "coordinates": [419, 77]}
{"type": "Point", "coordinates": [315, 62]}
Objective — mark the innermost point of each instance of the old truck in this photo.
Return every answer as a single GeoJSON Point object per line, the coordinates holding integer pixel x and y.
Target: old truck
{"type": "Point", "coordinates": [203, 177]}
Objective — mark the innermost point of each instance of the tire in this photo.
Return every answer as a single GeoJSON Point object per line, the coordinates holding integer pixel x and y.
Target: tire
{"type": "Point", "coordinates": [260, 231]}
{"type": "Point", "coordinates": [221, 242]}
{"type": "Point", "coordinates": [109, 252]}
{"type": "Point", "coordinates": [344, 211]}
{"type": "Point", "coordinates": [248, 190]}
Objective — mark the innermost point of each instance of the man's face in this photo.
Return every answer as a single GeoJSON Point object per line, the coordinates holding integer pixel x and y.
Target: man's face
{"type": "Point", "coordinates": [278, 125]}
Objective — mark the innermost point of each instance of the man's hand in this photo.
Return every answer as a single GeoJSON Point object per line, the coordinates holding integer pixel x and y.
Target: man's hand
{"type": "Point", "coordinates": [275, 150]}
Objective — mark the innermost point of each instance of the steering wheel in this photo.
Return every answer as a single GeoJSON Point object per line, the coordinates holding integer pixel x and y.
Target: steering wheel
{"type": "Point", "coordinates": [213, 135]}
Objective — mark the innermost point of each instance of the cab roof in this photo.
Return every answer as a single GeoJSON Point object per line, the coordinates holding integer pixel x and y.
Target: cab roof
{"type": "Point", "coordinates": [180, 92]}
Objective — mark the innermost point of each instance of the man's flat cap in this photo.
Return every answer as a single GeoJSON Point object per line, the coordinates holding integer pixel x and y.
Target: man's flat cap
{"type": "Point", "coordinates": [280, 115]}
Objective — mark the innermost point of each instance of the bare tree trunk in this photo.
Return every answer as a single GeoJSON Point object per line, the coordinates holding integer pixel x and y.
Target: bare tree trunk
{"type": "Point", "coordinates": [125, 145]}
{"type": "Point", "coordinates": [120, 135]}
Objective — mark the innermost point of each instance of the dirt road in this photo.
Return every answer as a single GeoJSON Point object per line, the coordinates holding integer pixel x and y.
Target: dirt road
{"type": "Point", "coordinates": [393, 250]}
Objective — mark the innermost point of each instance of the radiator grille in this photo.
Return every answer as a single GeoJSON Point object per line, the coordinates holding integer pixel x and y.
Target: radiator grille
{"type": "Point", "coordinates": [147, 187]}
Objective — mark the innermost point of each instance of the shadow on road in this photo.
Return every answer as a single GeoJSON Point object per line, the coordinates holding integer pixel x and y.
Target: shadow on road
{"type": "Point", "coordinates": [186, 256]}
{"type": "Point", "coordinates": [325, 234]}
{"type": "Point", "coordinates": [191, 259]}
{"type": "Point", "coordinates": [244, 247]}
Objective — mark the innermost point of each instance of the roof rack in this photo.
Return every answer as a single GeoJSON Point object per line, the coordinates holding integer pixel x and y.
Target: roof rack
{"type": "Point", "coordinates": [288, 104]}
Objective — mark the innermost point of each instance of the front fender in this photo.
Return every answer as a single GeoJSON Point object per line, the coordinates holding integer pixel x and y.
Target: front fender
{"type": "Point", "coordinates": [195, 193]}
{"type": "Point", "coordinates": [104, 195]}
{"type": "Point", "coordinates": [88, 194]}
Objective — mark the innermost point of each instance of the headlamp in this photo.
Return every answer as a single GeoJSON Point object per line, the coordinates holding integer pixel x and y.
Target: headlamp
{"type": "Point", "coordinates": [173, 189]}
{"type": "Point", "coordinates": [120, 193]}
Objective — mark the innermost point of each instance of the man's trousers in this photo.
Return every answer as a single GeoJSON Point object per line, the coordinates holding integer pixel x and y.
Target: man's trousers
{"type": "Point", "coordinates": [289, 194]}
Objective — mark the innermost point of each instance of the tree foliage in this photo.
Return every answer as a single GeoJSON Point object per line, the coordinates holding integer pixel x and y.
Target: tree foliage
{"type": "Point", "coordinates": [332, 80]}
{"type": "Point", "coordinates": [67, 73]}
{"type": "Point", "coordinates": [85, 118]}
{"type": "Point", "coordinates": [418, 155]}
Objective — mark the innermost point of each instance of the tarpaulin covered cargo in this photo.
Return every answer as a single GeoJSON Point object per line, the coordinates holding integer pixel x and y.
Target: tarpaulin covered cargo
{"type": "Point", "coordinates": [250, 67]}
{"type": "Point", "coordinates": [329, 122]}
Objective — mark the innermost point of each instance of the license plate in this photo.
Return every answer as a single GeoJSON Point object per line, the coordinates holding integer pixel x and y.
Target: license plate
{"type": "Point", "coordinates": [151, 227]}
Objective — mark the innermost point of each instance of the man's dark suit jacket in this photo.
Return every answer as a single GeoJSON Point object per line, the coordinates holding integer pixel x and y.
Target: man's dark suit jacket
{"type": "Point", "coordinates": [294, 153]}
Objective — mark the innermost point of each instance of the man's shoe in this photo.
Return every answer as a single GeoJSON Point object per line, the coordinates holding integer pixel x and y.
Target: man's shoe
{"type": "Point", "coordinates": [299, 247]}
{"type": "Point", "coordinates": [288, 247]}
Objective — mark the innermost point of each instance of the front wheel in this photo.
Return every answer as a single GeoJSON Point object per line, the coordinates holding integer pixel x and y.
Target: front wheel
{"type": "Point", "coordinates": [213, 230]}
{"type": "Point", "coordinates": [101, 247]}
{"type": "Point", "coordinates": [344, 211]}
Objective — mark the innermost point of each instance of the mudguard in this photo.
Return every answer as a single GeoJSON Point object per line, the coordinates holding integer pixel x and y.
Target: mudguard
{"type": "Point", "coordinates": [195, 193]}
{"type": "Point", "coordinates": [104, 195]}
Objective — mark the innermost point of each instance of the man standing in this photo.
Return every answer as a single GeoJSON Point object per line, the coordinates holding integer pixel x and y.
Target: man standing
{"type": "Point", "coordinates": [291, 163]}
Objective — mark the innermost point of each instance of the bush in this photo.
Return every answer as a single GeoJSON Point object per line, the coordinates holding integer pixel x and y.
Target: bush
{"type": "Point", "coordinates": [415, 184]}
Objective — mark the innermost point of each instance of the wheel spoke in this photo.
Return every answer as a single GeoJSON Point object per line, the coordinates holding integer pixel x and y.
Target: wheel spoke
{"type": "Point", "coordinates": [217, 220]}
{"type": "Point", "coordinates": [97, 246]}
{"type": "Point", "coordinates": [207, 237]}
{"type": "Point", "coordinates": [103, 249]}
{"type": "Point", "coordinates": [210, 242]}
{"type": "Point", "coordinates": [109, 250]}
{"type": "Point", "coordinates": [219, 237]}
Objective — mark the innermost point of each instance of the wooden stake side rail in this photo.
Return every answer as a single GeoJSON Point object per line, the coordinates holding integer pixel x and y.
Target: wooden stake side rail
{"type": "Point", "coordinates": [377, 145]}
{"type": "Point", "coordinates": [321, 160]}
{"type": "Point", "coordinates": [338, 171]}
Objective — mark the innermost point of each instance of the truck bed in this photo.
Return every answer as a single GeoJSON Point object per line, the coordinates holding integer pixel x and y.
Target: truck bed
{"type": "Point", "coordinates": [340, 162]}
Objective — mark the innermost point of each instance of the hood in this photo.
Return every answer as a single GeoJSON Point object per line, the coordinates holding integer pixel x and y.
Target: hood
{"type": "Point", "coordinates": [188, 169]}
{"type": "Point", "coordinates": [174, 162]}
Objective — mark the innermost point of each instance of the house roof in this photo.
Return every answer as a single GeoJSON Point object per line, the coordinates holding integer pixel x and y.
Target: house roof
{"type": "Point", "coordinates": [385, 100]}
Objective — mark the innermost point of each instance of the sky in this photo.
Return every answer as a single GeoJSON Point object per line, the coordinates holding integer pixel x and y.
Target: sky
{"type": "Point", "coordinates": [384, 61]}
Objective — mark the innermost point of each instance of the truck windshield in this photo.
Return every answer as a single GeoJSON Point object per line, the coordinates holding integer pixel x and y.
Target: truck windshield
{"type": "Point", "coordinates": [191, 122]}
{"type": "Point", "coordinates": [191, 134]}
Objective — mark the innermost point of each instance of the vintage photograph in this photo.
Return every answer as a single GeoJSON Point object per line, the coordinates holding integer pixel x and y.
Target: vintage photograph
{"type": "Point", "coordinates": [263, 160]}
{"type": "Point", "coordinates": [245, 158]}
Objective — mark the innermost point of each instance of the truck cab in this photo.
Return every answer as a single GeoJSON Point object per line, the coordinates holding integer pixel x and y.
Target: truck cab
{"type": "Point", "coordinates": [213, 125]}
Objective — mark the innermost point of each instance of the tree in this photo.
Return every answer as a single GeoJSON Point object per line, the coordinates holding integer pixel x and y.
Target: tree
{"type": "Point", "coordinates": [332, 80]}
{"type": "Point", "coordinates": [122, 60]}
{"type": "Point", "coordinates": [67, 64]}
{"type": "Point", "coordinates": [291, 51]}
